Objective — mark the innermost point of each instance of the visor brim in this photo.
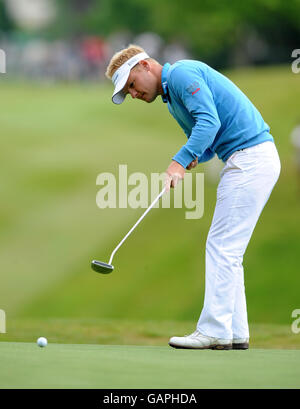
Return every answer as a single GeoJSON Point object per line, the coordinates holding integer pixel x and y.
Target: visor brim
{"type": "Point", "coordinates": [118, 95]}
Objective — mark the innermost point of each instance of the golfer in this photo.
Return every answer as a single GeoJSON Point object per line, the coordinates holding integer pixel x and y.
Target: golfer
{"type": "Point", "coordinates": [217, 118]}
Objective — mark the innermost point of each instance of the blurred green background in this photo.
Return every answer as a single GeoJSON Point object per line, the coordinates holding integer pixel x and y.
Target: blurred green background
{"type": "Point", "coordinates": [59, 130]}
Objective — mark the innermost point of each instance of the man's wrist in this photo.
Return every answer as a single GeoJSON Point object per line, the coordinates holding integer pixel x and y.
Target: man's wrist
{"type": "Point", "coordinates": [184, 157]}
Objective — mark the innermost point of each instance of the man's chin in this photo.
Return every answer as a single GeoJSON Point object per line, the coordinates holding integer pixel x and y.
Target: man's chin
{"type": "Point", "coordinates": [149, 100]}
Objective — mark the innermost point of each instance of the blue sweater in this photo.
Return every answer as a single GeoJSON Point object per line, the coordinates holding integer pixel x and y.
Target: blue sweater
{"type": "Point", "coordinates": [215, 114]}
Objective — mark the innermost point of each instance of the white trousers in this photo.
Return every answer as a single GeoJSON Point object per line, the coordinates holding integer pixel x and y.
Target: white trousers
{"type": "Point", "coordinates": [247, 180]}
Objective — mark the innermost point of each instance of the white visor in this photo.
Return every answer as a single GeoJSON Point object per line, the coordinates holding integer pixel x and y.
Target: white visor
{"type": "Point", "coordinates": [120, 77]}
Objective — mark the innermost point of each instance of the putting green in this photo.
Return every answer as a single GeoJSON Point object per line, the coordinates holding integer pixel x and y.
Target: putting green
{"type": "Point", "coordinates": [25, 365]}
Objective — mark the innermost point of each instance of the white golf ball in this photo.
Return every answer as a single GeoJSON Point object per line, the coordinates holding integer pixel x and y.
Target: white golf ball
{"type": "Point", "coordinates": [42, 342]}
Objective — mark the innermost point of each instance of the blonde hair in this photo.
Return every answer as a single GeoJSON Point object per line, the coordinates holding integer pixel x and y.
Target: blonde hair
{"type": "Point", "coordinates": [120, 57]}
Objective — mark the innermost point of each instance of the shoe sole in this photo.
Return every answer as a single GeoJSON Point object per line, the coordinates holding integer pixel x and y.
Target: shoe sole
{"type": "Point", "coordinates": [244, 345]}
{"type": "Point", "coordinates": [215, 347]}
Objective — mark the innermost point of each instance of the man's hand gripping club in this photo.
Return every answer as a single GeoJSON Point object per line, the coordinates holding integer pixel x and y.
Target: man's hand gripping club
{"type": "Point", "coordinates": [176, 172]}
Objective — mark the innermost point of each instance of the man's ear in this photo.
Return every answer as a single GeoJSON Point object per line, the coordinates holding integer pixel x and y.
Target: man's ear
{"type": "Point", "coordinates": [144, 64]}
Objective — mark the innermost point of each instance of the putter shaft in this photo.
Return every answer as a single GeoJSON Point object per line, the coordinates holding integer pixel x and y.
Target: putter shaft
{"type": "Point", "coordinates": [140, 219]}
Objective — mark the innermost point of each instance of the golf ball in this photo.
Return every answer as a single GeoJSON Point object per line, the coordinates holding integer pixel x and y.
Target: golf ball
{"type": "Point", "coordinates": [42, 342]}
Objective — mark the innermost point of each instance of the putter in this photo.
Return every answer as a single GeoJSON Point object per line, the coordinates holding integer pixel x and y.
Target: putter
{"type": "Point", "coordinates": [105, 268]}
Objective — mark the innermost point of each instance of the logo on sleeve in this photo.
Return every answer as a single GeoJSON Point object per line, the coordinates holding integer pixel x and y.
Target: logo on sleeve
{"type": "Point", "coordinates": [193, 88]}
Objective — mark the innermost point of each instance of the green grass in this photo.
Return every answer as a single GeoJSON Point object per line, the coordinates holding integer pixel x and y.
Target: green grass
{"type": "Point", "coordinates": [112, 331]}
{"type": "Point", "coordinates": [133, 332]}
{"type": "Point", "coordinates": [110, 354]}
{"type": "Point", "coordinates": [25, 365]}
{"type": "Point", "coordinates": [56, 139]}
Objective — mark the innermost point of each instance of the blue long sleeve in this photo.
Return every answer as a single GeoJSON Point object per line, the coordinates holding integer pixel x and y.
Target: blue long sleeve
{"type": "Point", "coordinates": [214, 113]}
{"type": "Point", "coordinates": [198, 100]}
{"type": "Point", "coordinates": [206, 156]}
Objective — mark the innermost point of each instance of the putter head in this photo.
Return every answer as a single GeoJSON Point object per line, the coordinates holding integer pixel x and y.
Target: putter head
{"type": "Point", "coordinates": [101, 267]}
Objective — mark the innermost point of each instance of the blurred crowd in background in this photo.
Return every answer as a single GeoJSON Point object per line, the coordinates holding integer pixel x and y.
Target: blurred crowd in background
{"type": "Point", "coordinates": [74, 39]}
{"type": "Point", "coordinates": [83, 57]}
{"type": "Point", "coordinates": [74, 56]}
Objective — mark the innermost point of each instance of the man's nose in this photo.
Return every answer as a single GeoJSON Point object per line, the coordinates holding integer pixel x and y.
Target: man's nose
{"type": "Point", "coordinates": [133, 93]}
